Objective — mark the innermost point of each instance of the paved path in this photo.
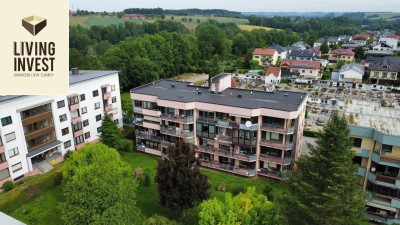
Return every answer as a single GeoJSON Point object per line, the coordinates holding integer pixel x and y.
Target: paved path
{"type": "Point", "coordinates": [304, 148]}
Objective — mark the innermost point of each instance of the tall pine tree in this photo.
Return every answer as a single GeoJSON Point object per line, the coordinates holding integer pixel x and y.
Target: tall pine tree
{"type": "Point", "coordinates": [110, 134]}
{"type": "Point", "coordinates": [323, 189]}
{"type": "Point", "coordinates": [181, 185]}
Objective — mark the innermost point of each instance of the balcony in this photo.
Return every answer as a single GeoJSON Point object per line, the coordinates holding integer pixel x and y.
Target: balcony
{"type": "Point", "coordinates": [141, 148]}
{"type": "Point", "coordinates": [361, 171]}
{"type": "Point", "coordinates": [277, 144]}
{"type": "Point", "coordinates": [177, 118]}
{"type": "Point", "coordinates": [280, 175]}
{"type": "Point", "coordinates": [389, 179]}
{"type": "Point", "coordinates": [151, 112]}
{"type": "Point", "coordinates": [245, 157]}
{"type": "Point", "coordinates": [78, 133]}
{"type": "Point", "coordinates": [3, 165]}
{"type": "Point", "coordinates": [278, 128]}
{"type": "Point", "coordinates": [245, 141]}
{"type": "Point", "coordinates": [40, 116]}
{"type": "Point", "coordinates": [106, 95]}
{"type": "Point", "coordinates": [275, 159]}
{"type": "Point", "coordinates": [223, 138]}
{"type": "Point", "coordinates": [206, 120]}
{"type": "Point", "coordinates": [212, 150]}
{"type": "Point", "coordinates": [166, 144]}
{"type": "Point", "coordinates": [2, 149]}
{"type": "Point", "coordinates": [205, 135]}
{"type": "Point", "coordinates": [137, 109]}
{"type": "Point", "coordinates": [108, 108]}
{"type": "Point", "coordinates": [178, 133]}
{"type": "Point", "coordinates": [253, 127]}
{"type": "Point", "coordinates": [153, 126]}
{"type": "Point", "coordinates": [74, 107]}
{"type": "Point", "coordinates": [226, 123]}
{"type": "Point", "coordinates": [385, 161]}
{"type": "Point", "coordinates": [137, 121]}
{"type": "Point", "coordinates": [147, 136]}
{"type": "Point", "coordinates": [229, 168]}
{"type": "Point", "coordinates": [76, 120]}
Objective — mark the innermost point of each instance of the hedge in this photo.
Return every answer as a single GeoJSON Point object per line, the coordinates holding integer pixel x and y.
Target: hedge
{"type": "Point", "coordinates": [24, 191]}
{"type": "Point", "coordinates": [309, 133]}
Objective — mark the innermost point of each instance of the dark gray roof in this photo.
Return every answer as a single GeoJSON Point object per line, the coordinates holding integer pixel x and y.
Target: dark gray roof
{"type": "Point", "coordinates": [184, 92]}
{"type": "Point", "coordinates": [302, 53]}
{"type": "Point", "coordinates": [320, 40]}
{"type": "Point", "coordinates": [83, 76]}
{"type": "Point", "coordinates": [387, 63]}
{"type": "Point", "coordinates": [219, 77]}
{"type": "Point", "coordinates": [278, 48]}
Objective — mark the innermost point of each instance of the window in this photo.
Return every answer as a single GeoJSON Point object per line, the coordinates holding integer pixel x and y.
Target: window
{"type": "Point", "coordinates": [357, 142]}
{"type": "Point", "coordinates": [79, 140]}
{"type": "Point", "coordinates": [13, 152]}
{"type": "Point", "coordinates": [114, 99]}
{"type": "Point", "coordinates": [77, 127]}
{"type": "Point", "coordinates": [82, 97]}
{"type": "Point", "coordinates": [16, 167]}
{"type": "Point", "coordinates": [73, 100]}
{"type": "Point", "coordinates": [67, 144]}
{"type": "Point", "coordinates": [60, 104]}
{"type": "Point", "coordinates": [2, 157]}
{"type": "Point", "coordinates": [86, 123]}
{"type": "Point", "coordinates": [113, 87]}
{"type": "Point", "coordinates": [376, 74]}
{"type": "Point", "coordinates": [303, 71]}
{"type": "Point", "coordinates": [384, 75]}
{"type": "Point", "coordinates": [63, 118]}
{"type": "Point", "coordinates": [6, 121]}
{"type": "Point", "coordinates": [98, 117]}
{"type": "Point", "coordinates": [9, 137]}
{"type": "Point", "coordinates": [393, 76]}
{"type": "Point", "coordinates": [96, 105]}
{"type": "Point", "coordinates": [84, 110]}
{"type": "Point", "coordinates": [386, 148]}
{"type": "Point", "coordinates": [4, 174]}
{"type": "Point", "coordinates": [99, 130]}
{"type": "Point", "coordinates": [116, 121]}
{"type": "Point", "coordinates": [95, 93]}
{"type": "Point", "coordinates": [65, 131]}
{"type": "Point", "coordinates": [75, 114]}
{"type": "Point", "coordinates": [87, 135]}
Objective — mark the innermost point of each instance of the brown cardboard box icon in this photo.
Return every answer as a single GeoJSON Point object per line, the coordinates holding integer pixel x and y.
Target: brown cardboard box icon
{"type": "Point", "coordinates": [34, 24]}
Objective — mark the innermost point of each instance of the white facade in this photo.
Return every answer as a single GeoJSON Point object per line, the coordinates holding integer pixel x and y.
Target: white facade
{"type": "Point", "coordinates": [87, 82]}
{"type": "Point", "coordinates": [272, 79]}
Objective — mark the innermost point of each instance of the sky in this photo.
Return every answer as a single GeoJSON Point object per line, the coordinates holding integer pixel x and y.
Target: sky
{"type": "Point", "coordinates": [244, 5]}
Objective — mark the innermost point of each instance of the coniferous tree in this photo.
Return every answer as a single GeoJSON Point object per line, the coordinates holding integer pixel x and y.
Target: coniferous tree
{"type": "Point", "coordinates": [324, 48]}
{"type": "Point", "coordinates": [323, 189]}
{"type": "Point", "coordinates": [110, 134]}
{"type": "Point", "coordinates": [181, 185]}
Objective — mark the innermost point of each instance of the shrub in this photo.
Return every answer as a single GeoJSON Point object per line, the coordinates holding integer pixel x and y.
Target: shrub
{"type": "Point", "coordinates": [221, 187]}
{"type": "Point", "coordinates": [8, 185]}
{"type": "Point", "coordinates": [238, 190]}
{"type": "Point", "coordinates": [138, 173]}
{"type": "Point", "coordinates": [267, 191]}
{"type": "Point", "coordinates": [146, 180]}
{"type": "Point", "coordinates": [128, 146]}
{"type": "Point", "coordinates": [67, 155]}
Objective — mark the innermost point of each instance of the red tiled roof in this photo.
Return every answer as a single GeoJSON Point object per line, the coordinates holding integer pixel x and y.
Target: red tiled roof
{"type": "Point", "coordinates": [342, 52]}
{"type": "Point", "coordinates": [395, 36]}
{"type": "Point", "coordinates": [234, 83]}
{"type": "Point", "coordinates": [301, 64]}
{"type": "Point", "coordinates": [316, 51]}
{"type": "Point", "coordinates": [365, 36]}
{"type": "Point", "coordinates": [264, 51]}
{"type": "Point", "coordinates": [273, 70]}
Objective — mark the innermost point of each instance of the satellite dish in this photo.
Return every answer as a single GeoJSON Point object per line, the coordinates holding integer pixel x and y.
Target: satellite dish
{"type": "Point", "coordinates": [253, 84]}
{"type": "Point", "coordinates": [159, 113]}
{"type": "Point", "coordinates": [248, 123]}
{"type": "Point", "coordinates": [373, 169]}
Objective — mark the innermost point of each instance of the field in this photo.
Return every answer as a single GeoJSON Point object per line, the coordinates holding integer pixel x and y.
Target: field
{"type": "Point", "coordinates": [44, 209]}
{"type": "Point", "coordinates": [383, 15]}
{"type": "Point", "coordinates": [88, 21]}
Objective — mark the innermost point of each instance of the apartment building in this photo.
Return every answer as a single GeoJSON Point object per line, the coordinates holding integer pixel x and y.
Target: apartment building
{"type": "Point", "coordinates": [243, 132]}
{"type": "Point", "coordinates": [376, 133]}
{"type": "Point", "coordinates": [36, 130]}
{"type": "Point", "coordinates": [265, 56]}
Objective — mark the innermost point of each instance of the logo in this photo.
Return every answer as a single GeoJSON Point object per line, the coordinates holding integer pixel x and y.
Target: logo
{"type": "Point", "coordinates": [34, 24]}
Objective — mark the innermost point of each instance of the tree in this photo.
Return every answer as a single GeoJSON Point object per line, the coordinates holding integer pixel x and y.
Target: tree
{"type": "Point", "coordinates": [340, 63]}
{"type": "Point", "coordinates": [159, 220]}
{"type": "Point", "coordinates": [245, 208]}
{"type": "Point", "coordinates": [198, 20]}
{"type": "Point", "coordinates": [215, 69]}
{"type": "Point", "coordinates": [127, 107]}
{"type": "Point", "coordinates": [324, 48]}
{"type": "Point", "coordinates": [162, 16]}
{"type": "Point", "coordinates": [181, 185]}
{"type": "Point", "coordinates": [172, 17]}
{"type": "Point", "coordinates": [359, 52]}
{"type": "Point", "coordinates": [99, 188]}
{"type": "Point", "coordinates": [110, 134]}
{"type": "Point", "coordinates": [323, 189]}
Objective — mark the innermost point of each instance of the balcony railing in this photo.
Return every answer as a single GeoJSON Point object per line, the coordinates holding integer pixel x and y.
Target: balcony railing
{"type": "Point", "coordinates": [106, 95]}
{"type": "Point", "coordinates": [245, 141]}
{"type": "Point", "coordinates": [229, 168]}
{"type": "Point", "coordinates": [273, 174]}
{"type": "Point", "coordinates": [252, 127]}
{"type": "Point", "coordinates": [177, 118]}
{"type": "Point", "coordinates": [138, 109]}
{"type": "Point", "coordinates": [141, 148]}
{"type": "Point", "coordinates": [166, 144]}
{"type": "Point", "coordinates": [276, 159]}
{"type": "Point", "coordinates": [277, 144]}
{"type": "Point", "coordinates": [174, 132]}
{"type": "Point", "coordinates": [108, 108]}
{"type": "Point", "coordinates": [245, 157]}
{"type": "Point", "coordinates": [223, 138]}
{"type": "Point", "coordinates": [205, 135]}
{"type": "Point", "coordinates": [278, 128]}
{"type": "Point", "coordinates": [137, 121]}
{"type": "Point", "coordinates": [147, 136]}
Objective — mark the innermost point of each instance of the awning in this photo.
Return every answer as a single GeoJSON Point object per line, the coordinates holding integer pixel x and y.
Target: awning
{"type": "Point", "coordinates": [44, 148]}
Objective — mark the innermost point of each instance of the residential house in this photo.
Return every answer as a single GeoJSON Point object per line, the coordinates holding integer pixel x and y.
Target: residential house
{"type": "Point", "coordinates": [303, 55]}
{"type": "Point", "coordinates": [375, 131]}
{"type": "Point", "coordinates": [361, 39]}
{"type": "Point", "coordinates": [352, 45]}
{"type": "Point", "coordinates": [345, 38]}
{"type": "Point", "coordinates": [341, 54]}
{"type": "Point", "coordinates": [386, 44]}
{"type": "Point", "coordinates": [265, 56]}
{"type": "Point", "coordinates": [273, 75]}
{"type": "Point", "coordinates": [385, 70]}
{"type": "Point", "coordinates": [306, 69]}
{"type": "Point", "coordinates": [238, 131]}
{"type": "Point", "coordinates": [330, 41]}
{"type": "Point", "coordinates": [282, 51]}
{"type": "Point", "coordinates": [319, 42]}
{"type": "Point", "coordinates": [37, 130]}
{"type": "Point", "coordinates": [301, 45]}
{"type": "Point", "coordinates": [349, 73]}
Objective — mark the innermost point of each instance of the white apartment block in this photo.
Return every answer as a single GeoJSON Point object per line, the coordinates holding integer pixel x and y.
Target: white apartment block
{"type": "Point", "coordinates": [38, 129]}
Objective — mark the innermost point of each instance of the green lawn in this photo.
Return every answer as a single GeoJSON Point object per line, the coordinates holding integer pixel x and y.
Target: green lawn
{"type": "Point", "coordinates": [45, 210]}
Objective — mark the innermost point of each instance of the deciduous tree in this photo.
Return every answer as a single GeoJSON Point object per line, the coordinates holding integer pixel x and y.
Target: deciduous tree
{"type": "Point", "coordinates": [181, 185]}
